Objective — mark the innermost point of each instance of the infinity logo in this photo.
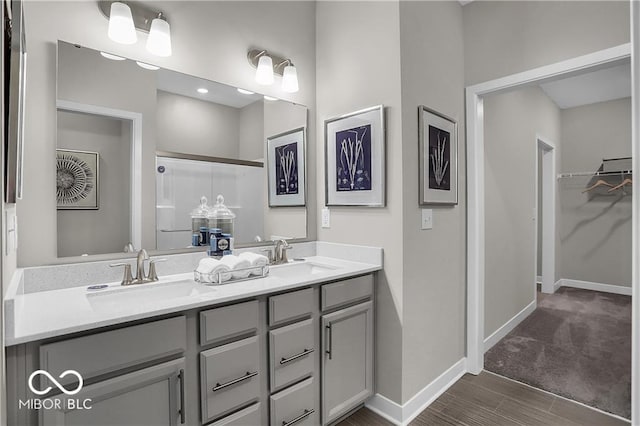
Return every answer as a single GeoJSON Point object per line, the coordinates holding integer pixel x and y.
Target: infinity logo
{"type": "Point", "coordinates": [55, 382]}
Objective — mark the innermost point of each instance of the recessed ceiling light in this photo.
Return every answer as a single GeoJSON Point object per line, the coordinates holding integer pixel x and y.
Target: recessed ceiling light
{"type": "Point", "coordinates": [112, 57]}
{"type": "Point", "coordinates": [245, 92]}
{"type": "Point", "coordinates": [270, 98]}
{"type": "Point", "coordinates": [203, 90]}
{"type": "Point", "coordinates": [147, 66]}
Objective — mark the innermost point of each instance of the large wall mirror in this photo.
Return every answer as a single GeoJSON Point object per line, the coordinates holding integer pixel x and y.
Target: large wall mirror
{"type": "Point", "coordinates": [139, 146]}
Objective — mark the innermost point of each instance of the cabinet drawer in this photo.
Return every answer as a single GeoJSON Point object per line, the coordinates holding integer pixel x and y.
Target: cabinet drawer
{"type": "Point", "coordinates": [290, 306]}
{"type": "Point", "coordinates": [226, 323]}
{"type": "Point", "coordinates": [295, 405]}
{"type": "Point", "coordinates": [249, 416]}
{"type": "Point", "coordinates": [347, 291]}
{"type": "Point", "coordinates": [292, 354]}
{"type": "Point", "coordinates": [229, 377]}
{"type": "Point", "coordinates": [109, 351]}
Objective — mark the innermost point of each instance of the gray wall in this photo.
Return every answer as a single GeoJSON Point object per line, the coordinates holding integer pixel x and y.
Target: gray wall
{"type": "Point", "coordinates": [202, 34]}
{"type": "Point", "coordinates": [595, 229]}
{"type": "Point", "coordinates": [251, 122]}
{"type": "Point", "coordinates": [505, 37]}
{"type": "Point", "coordinates": [421, 293]}
{"type": "Point", "coordinates": [433, 260]}
{"type": "Point", "coordinates": [511, 122]}
{"type": "Point", "coordinates": [197, 127]}
{"type": "Point", "coordinates": [348, 35]}
{"type": "Point", "coordinates": [105, 230]}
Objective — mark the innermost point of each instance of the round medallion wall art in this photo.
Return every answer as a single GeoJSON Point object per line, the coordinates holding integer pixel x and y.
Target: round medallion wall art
{"type": "Point", "coordinates": [76, 180]}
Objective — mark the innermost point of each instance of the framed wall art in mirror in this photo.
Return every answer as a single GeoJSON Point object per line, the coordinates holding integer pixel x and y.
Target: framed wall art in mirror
{"type": "Point", "coordinates": [438, 146]}
{"type": "Point", "coordinates": [355, 159]}
{"type": "Point", "coordinates": [77, 180]}
{"type": "Point", "coordinates": [286, 168]}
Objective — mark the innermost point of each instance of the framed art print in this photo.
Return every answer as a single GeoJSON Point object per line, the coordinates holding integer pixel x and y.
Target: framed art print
{"type": "Point", "coordinates": [355, 159]}
{"type": "Point", "coordinates": [438, 140]}
{"type": "Point", "coordinates": [77, 178]}
{"type": "Point", "coordinates": [286, 169]}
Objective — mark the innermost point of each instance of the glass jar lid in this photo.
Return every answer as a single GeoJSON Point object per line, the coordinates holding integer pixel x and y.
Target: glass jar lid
{"type": "Point", "coordinates": [220, 211]}
{"type": "Point", "coordinates": [202, 210]}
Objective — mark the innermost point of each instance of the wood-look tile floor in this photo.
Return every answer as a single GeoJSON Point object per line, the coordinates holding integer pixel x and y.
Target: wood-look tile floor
{"type": "Point", "coordinates": [492, 400]}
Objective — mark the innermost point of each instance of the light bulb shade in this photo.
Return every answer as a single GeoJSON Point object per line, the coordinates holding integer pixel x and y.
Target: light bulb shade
{"type": "Point", "coordinates": [121, 28]}
{"type": "Point", "coordinates": [264, 73]}
{"type": "Point", "coordinates": [159, 41]}
{"type": "Point", "coordinates": [290, 79]}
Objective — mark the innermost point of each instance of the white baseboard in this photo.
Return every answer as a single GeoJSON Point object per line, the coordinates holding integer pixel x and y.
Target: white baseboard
{"type": "Point", "coordinates": [588, 285]}
{"type": "Point", "coordinates": [499, 334]}
{"type": "Point", "coordinates": [403, 414]}
{"type": "Point", "coordinates": [557, 285]}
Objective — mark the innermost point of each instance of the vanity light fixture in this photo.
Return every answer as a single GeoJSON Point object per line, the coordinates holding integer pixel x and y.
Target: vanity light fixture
{"type": "Point", "coordinates": [290, 79]}
{"type": "Point", "coordinates": [267, 65]}
{"type": "Point", "coordinates": [203, 90]}
{"type": "Point", "coordinates": [147, 66]}
{"type": "Point", "coordinates": [264, 71]}
{"type": "Point", "coordinates": [127, 17]}
{"type": "Point", "coordinates": [245, 92]}
{"type": "Point", "coordinates": [121, 27]}
{"type": "Point", "coordinates": [111, 56]}
{"type": "Point", "coordinates": [159, 41]}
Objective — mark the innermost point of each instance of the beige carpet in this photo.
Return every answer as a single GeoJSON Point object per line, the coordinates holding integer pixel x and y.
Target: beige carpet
{"type": "Point", "coordinates": [576, 344]}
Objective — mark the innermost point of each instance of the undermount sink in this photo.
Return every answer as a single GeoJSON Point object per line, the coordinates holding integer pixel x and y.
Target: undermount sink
{"type": "Point", "coordinates": [299, 269]}
{"type": "Point", "coordinates": [114, 298]}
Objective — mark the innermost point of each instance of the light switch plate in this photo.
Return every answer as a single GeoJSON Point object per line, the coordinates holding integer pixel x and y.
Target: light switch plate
{"type": "Point", "coordinates": [427, 219]}
{"type": "Point", "coordinates": [326, 218]}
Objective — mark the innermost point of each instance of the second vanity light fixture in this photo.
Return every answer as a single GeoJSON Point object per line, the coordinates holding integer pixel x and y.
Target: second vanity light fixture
{"type": "Point", "coordinates": [125, 18]}
{"type": "Point", "coordinates": [267, 65]}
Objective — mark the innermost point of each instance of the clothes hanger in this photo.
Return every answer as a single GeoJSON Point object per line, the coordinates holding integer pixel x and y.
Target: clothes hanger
{"type": "Point", "coordinates": [627, 181]}
{"type": "Point", "coordinates": [600, 182]}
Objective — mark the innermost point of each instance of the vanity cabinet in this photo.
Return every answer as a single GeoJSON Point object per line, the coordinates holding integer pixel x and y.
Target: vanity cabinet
{"type": "Point", "coordinates": [152, 396]}
{"type": "Point", "coordinates": [347, 348]}
{"type": "Point", "coordinates": [298, 357]}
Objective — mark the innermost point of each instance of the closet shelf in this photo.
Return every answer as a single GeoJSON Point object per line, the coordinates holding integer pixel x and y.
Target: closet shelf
{"type": "Point", "coordinates": [598, 173]}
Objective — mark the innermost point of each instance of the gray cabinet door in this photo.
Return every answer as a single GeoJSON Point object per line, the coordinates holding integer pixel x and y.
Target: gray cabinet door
{"type": "Point", "coordinates": [148, 397]}
{"type": "Point", "coordinates": [347, 354]}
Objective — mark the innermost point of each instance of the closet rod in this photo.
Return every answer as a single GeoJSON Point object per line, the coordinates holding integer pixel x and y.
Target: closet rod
{"type": "Point", "coordinates": [620, 172]}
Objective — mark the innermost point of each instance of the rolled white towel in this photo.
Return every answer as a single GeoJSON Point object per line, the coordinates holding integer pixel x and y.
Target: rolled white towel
{"type": "Point", "coordinates": [257, 260]}
{"type": "Point", "coordinates": [215, 269]}
{"type": "Point", "coordinates": [235, 263]}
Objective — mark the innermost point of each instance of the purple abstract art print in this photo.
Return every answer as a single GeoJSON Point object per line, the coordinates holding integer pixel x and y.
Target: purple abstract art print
{"type": "Point", "coordinates": [353, 159]}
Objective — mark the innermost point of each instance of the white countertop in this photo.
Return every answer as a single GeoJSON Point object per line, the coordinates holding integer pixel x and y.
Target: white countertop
{"type": "Point", "coordinates": [45, 314]}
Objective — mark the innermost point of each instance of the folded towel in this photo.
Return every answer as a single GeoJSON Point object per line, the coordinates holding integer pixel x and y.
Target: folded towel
{"type": "Point", "coordinates": [235, 263]}
{"type": "Point", "coordinates": [256, 260]}
{"type": "Point", "coordinates": [215, 269]}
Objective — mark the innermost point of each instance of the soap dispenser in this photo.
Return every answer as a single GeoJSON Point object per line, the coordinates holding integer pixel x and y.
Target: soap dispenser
{"type": "Point", "coordinates": [199, 219]}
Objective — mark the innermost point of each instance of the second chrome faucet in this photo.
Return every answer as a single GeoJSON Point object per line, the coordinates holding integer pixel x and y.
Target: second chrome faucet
{"type": "Point", "coordinates": [141, 277]}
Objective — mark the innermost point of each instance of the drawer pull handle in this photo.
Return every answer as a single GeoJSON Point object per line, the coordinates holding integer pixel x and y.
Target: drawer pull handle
{"type": "Point", "coordinates": [329, 349]}
{"type": "Point", "coordinates": [302, 416]}
{"type": "Point", "coordinates": [247, 376]}
{"type": "Point", "coordinates": [293, 358]}
{"type": "Point", "coordinates": [182, 408]}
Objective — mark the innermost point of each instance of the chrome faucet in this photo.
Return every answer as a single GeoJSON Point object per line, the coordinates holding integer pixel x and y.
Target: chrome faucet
{"type": "Point", "coordinates": [278, 253]}
{"type": "Point", "coordinates": [141, 277]}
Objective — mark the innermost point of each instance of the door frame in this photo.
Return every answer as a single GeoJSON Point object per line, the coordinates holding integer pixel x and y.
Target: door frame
{"type": "Point", "coordinates": [549, 191]}
{"type": "Point", "coordinates": [476, 194]}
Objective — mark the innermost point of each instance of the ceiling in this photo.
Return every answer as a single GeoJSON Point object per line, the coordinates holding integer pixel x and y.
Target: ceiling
{"type": "Point", "coordinates": [187, 85]}
{"type": "Point", "coordinates": [597, 86]}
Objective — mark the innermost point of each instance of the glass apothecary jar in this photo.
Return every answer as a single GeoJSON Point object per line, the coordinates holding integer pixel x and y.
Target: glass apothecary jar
{"type": "Point", "coordinates": [221, 217]}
